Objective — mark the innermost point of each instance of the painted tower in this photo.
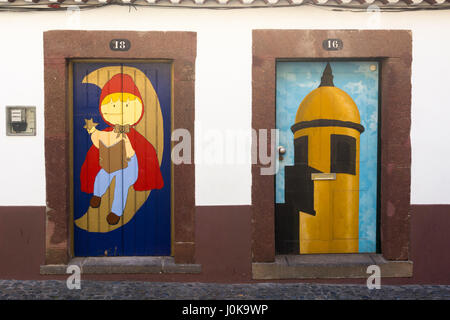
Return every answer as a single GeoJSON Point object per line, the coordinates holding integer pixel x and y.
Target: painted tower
{"type": "Point", "coordinates": [322, 187]}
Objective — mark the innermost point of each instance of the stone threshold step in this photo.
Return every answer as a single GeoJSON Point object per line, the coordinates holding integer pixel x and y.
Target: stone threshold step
{"type": "Point", "coordinates": [130, 265]}
{"type": "Point", "coordinates": [329, 266]}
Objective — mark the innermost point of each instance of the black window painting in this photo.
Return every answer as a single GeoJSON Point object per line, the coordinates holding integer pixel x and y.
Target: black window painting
{"type": "Point", "coordinates": [343, 154]}
{"type": "Point", "coordinates": [301, 150]}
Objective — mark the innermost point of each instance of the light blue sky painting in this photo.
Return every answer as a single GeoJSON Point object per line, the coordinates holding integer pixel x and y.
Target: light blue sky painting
{"type": "Point", "coordinates": [294, 81]}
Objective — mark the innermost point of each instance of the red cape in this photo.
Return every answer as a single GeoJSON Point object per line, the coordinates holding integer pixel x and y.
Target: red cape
{"type": "Point", "coordinates": [149, 174]}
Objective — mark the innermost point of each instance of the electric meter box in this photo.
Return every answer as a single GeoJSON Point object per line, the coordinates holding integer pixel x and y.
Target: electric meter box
{"type": "Point", "coordinates": [20, 121]}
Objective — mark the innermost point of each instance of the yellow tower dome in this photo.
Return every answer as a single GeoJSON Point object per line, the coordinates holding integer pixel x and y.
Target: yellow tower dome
{"type": "Point", "coordinates": [328, 103]}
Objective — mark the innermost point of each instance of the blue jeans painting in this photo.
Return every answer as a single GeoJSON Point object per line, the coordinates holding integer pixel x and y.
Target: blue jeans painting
{"type": "Point", "coordinates": [125, 178]}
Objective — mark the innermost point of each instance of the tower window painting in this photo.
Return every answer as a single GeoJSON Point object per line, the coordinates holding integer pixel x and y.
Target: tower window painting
{"type": "Point", "coordinates": [326, 188]}
{"type": "Point", "coordinates": [121, 130]}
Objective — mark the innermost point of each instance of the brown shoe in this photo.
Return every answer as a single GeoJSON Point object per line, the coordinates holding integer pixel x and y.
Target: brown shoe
{"type": "Point", "coordinates": [112, 218]}
{"type": "Point", "coordinates": [95, 201]}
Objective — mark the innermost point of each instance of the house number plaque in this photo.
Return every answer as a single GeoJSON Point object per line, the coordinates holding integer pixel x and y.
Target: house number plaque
{"type": "Point", "coordinates": [332, 44]}
{"type": "Point", "coordinates": [120, 45]}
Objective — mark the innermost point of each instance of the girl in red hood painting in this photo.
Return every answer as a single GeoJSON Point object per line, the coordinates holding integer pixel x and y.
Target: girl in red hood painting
{"type": "Point", "coordinates": [119, 151]}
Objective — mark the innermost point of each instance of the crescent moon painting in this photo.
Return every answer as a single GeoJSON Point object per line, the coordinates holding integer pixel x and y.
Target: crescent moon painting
{"type": "Point", "coordinates": [95, 219]}
{"type": "Point", "coordinates": [120, 159]}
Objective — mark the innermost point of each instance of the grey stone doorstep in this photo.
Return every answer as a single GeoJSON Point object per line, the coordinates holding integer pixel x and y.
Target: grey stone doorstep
{"type": "Point", "coordinates": [329, 266]}
{"type": "Point", "coordinates": [121, 265]}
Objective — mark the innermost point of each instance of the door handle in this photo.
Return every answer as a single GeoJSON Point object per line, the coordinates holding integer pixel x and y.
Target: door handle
{"type": "Point", "coordinates": [281, 152]}
{"type": "Point", "coordinates": [323, 176]}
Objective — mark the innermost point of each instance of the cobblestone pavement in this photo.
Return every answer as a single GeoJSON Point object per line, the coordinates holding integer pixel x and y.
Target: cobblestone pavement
{"type": "Point", "coordinates": [54, 289]}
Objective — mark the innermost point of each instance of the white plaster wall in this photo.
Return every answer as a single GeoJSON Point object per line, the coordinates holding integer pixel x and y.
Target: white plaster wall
{"type": "Point", "coordinates": [223, 89]}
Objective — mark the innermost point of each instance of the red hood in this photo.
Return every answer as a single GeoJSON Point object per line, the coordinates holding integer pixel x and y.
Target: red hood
{"type": "Point", "coordinates": [120, 83]}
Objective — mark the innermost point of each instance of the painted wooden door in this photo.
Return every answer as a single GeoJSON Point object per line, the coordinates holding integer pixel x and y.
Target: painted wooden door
{"type": "Point", "coordinates": [121, 159]}
{"type": "Point", "coordinates": [326, 186]}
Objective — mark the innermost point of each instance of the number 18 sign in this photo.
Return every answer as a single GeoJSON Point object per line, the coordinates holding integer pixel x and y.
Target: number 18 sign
{"type": "Point", "coordinates": [120, 45]}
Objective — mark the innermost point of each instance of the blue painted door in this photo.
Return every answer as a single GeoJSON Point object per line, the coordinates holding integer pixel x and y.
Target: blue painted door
{"type": "Point", "coordinates": [121, 159]}
{"type": "Point", "coordinates": [327, 118]}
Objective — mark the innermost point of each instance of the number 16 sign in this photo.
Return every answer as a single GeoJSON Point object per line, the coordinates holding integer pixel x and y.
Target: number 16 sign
{"type": "Point", "coordinates": [332, 44]}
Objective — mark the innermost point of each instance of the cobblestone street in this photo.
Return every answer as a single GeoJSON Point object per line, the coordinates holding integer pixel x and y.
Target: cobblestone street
{"type": "Point", "coordinates": [53, 289]}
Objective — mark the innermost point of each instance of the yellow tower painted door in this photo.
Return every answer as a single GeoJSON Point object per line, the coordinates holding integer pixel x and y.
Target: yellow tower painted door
{"type": "Point", "coordinates": [319, 191]}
